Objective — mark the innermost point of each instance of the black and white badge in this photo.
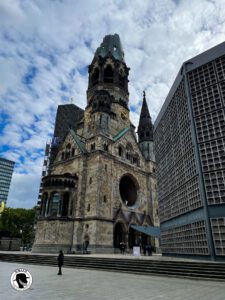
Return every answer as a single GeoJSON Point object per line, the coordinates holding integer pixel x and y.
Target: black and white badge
{"type": "Point", "coordinates": [21, 279]}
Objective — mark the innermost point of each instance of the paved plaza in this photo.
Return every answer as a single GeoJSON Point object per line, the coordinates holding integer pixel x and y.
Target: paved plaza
{"type": "Point", "coordinates": [80, 284]}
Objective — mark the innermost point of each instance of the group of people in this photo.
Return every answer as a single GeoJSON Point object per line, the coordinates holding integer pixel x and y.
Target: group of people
{"type": "Point", "coordinates": [146, 248]}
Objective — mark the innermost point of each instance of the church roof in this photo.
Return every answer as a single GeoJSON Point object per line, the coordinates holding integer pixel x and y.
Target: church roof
{"type": "Point", "coordinates": [78, 141]}
{"type": "Point", "coordinates": [111, 44]}
{"type": "Point", "coordinates": [120, 134]}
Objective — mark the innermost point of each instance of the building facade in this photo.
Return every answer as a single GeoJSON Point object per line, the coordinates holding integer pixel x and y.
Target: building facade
{"type": "Point", "coordinates": [6, 171]}
{"type": "Point", "coordinates": [102, 180]}
{"type": "Point", "coordinates": [190, 154]}
{"type": "Point", "coordinates": [68, 116]}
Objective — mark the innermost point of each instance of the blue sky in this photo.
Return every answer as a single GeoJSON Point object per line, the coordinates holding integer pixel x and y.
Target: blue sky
{"type": "Point", "coordinates": [46, 46]}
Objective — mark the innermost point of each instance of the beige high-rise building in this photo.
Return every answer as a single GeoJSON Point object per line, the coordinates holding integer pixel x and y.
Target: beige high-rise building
{"type": "Point", "coordinates": [102, 181]}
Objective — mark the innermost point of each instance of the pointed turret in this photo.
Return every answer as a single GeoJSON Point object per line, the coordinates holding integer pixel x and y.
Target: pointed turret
{"type": "Point", "coordinates": [145, 132]}
{"type": "Point", "coordinates": [145, 127]}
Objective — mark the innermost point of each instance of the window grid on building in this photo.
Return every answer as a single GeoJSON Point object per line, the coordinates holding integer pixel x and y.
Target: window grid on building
{"type": "Point", "coordinates": [177, 185]}
{"type": "Point", "coordinates": [187, 239]}
{"type": "Point", "coordinates": [218, 229]}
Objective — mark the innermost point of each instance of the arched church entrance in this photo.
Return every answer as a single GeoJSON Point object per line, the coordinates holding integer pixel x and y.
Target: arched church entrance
{"type": "Point", "coordinates": [119, 234]}
{"type": "Point", "coordinates": [131, 238]}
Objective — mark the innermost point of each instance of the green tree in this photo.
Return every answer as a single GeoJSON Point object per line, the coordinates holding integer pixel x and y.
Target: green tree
{"type": "Point", "coordinates": [19, 222]}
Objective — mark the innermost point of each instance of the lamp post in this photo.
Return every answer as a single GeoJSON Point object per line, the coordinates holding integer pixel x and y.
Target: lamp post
{"type": "Point", "coordinates": [21, 232]}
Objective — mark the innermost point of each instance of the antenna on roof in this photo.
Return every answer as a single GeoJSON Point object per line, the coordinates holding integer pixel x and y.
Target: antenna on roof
{"type": "Point", "coordinates": [71, 100]}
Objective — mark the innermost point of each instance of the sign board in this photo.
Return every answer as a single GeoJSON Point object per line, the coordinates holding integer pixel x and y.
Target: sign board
{"type": "Point", "coordinates": [136, 251]}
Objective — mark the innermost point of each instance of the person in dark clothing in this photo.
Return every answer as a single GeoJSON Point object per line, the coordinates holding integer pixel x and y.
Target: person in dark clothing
{"type": "Point", "coordinates": [60, 262]}
{"type": "Point", "coordinates": [149, 249]}
{"type": "Point", "coordinates": [86, 242]}
{"type": "Point", "coordinates": [122, 247]}
{"type": "Point", "coordinates": [144, 249]}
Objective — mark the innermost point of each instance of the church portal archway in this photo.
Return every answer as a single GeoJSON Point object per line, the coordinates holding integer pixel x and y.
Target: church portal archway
{"type": "Point", "coordinates": [119, 234]}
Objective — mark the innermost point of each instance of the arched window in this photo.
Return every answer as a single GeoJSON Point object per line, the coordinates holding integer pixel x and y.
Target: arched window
{"type": "Point", "coordinates": [105, 147]}
{"type": "Point", "coordinates": [55, 198]}
{"type": "Point", "coordinates": [63, 156]}
{"type": "Point", "coordinates": [95, 76]}
{"type": "Point", "coordinates": [122, 79]}
{"type": "Point", "coordinates": [43, 204]}
{"type": "Point", "coordinates": [108, 74]}
{"type": "Point", "coordinates": [136, 159]}
{"type": "Point", "coordinates": [120, 151]}
{"type": "Point", "coordinates": [65, 205]}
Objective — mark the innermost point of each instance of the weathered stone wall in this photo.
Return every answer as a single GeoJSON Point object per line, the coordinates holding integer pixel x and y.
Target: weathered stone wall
{"type": "Point", "coordinates": [53, 235]}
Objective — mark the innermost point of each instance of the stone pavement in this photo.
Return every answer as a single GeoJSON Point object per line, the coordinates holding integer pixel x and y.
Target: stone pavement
{"type": "Point", "coordinates": [80, 284]}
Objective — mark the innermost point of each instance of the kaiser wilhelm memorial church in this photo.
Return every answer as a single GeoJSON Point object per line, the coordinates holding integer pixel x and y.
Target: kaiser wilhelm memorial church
{"type": "Point", "coordinates": [100, 184]}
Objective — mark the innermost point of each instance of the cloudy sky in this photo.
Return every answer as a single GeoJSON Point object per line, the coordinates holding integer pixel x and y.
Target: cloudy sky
{"type": "Point", "coordinates": [46, 46]}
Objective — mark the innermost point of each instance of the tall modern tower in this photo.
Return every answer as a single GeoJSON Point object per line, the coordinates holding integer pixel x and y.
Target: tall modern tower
{"type": "Point", "coordinates": [6, 170]}
{"type": "Point", "coordinates": [190, 154]}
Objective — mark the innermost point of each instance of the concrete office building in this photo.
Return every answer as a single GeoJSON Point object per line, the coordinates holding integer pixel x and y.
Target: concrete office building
{"type": "Point", "coordinates": [6, 170]}
{"type": "Point", "coordinates": [190, 154]}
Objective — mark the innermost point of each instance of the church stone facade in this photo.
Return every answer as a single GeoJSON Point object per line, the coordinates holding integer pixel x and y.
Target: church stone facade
{"type": "Point", "coordinates": [102, 180]}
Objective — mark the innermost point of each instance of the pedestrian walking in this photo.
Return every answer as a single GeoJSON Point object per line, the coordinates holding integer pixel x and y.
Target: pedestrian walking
{"type": "Point", "coordinates": [60, 262]}
{"type": "Point", "coordinates": [86, 242]}
{"type": "Point", "coordinates": [144, 249]}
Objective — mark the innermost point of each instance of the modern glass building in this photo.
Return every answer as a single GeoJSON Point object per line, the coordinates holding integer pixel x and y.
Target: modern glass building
{"type": "Point", "coordinates": [190, 154]}
{"type": "Point", "coordinates": [6, 170]}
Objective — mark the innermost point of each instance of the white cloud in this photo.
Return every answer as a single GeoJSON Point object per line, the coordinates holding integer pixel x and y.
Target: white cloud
{"type": "Point", "coordinates": [58, 38]}
{"type": "Point", "coordinates": [23, 191]}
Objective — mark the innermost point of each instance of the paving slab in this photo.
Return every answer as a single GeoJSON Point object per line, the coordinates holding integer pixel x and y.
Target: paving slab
{"type": "Point", "coordinates": [79, 284]}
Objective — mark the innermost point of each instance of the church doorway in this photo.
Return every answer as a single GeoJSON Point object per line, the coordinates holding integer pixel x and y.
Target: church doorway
{"type": "Point", "coordinates": [119, 234]}
{"type": "Point", "coordinates": [131, 238]}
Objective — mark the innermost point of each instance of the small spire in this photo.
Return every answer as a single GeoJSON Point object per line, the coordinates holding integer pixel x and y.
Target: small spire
{"type": "Point", "coordinates": [144, 96]}
{"type": "Point", "coordinates": [144, 110]}
{"type": "Point", "coordinates": [145, 128]}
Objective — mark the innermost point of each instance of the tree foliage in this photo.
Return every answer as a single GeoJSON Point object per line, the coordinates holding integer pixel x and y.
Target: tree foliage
{"type": "Point", "coordinates": [19, 222]}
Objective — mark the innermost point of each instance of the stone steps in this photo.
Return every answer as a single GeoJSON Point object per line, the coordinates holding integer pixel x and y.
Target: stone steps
{"type": "Point", "coordinates": [182, 269]}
